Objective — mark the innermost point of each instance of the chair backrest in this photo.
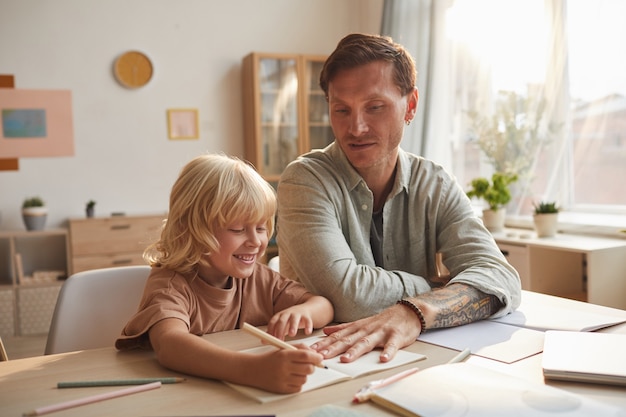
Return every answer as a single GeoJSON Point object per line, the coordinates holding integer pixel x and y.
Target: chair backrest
{"type": "Point", "coordinates": [274, 263]}
{"type": "Point", "coordinates": [3, 352]}
{"type": "Point", "coordinates": [93, 307]}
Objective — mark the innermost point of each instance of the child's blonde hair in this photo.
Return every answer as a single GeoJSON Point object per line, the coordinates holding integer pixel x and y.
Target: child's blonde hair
{"type": "Point", "coordinates": [212, 190]}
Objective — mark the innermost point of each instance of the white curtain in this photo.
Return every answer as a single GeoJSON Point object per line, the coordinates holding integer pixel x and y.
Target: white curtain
{"type": "Point", "coordinates": [453, 80]}
{"type": "Point", "coordinates": [419, 26]}
{"type": "Point", "coordinates": [567, 54]}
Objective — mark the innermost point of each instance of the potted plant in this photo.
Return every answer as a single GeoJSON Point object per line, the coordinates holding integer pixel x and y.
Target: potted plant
{"type": "Point", "coordinates": [496, 194]}
{"type": "Point", "coordinates": [34, 213]}
{"type": "Point", "coordinates": [545, 218]}
{"type": "Point", "coordinates": [511, 137]}
{"type": "Point", "coordinates": [90, 208]}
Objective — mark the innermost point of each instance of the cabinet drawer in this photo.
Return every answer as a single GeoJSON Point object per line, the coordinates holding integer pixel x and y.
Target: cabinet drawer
{"type": "Point", "coordinates": [84, 263]}
{"type": "Point", "coordinates": [113, 235]}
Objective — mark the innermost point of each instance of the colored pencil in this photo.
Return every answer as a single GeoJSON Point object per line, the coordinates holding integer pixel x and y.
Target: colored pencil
{"type": "Point", "coordinates": [461, 356]}
{"type": "Point", "coordinates": [118, 382]}
{"type": "Point", "coordinates": [274, 341]}
{"type": "Point", "coordinates": [366, 392]}
{"type": "Point", "coordinates": [91, 399]}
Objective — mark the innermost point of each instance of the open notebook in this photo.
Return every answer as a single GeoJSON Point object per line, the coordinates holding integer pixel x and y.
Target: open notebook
{"type": "Point", "coordinates": [585, 357]}
{"type": "Point", "coordinates": [336, 372]}
{"type": "Point", "coordinates": [466, 390]}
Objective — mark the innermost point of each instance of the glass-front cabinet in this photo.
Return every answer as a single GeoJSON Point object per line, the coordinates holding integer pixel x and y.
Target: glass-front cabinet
{"type": "Point", "coordinates": [285, 111]}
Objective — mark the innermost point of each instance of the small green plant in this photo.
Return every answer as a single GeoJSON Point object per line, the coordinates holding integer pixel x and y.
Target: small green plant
{"type": "Point", "coordinates": [496, 192]}
{"type": "Point", "coordinates": [545, 207]}
{"type": "Point", "coordinates": [33, 202]}
{"type": "Point", "coordinates": [90, 204]}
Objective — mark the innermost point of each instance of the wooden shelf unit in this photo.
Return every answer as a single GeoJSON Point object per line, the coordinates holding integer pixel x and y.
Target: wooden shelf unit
{"type": "Point", "coordinates": [285, 110]}
{"type": "Point", "coordinates": [32, 266]}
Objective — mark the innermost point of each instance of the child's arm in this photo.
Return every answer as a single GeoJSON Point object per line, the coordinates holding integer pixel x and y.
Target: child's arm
{"type": "Point", "coordinates": [314, 312]}
{"type": "Point", "coordinates": [282, 371]}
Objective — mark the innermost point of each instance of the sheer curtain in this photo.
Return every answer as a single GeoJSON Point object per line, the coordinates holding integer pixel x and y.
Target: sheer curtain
{"type": "Point", "coordinates": [419, 27]}
{"type": "Point", "coordinates": [467, 51]}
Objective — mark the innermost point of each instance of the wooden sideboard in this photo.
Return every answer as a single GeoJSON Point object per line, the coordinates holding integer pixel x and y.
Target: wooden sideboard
{"type": "Point", "coordinates": [581, 267]}
{"type": "Point", "coordinates": [106, 242]}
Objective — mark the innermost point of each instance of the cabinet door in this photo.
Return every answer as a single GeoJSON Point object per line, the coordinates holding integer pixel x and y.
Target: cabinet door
{"type": "Point", "coordinates": [319, 132]}
{"type": "Point", "coordinates": [285, 111]}
{"type": "Point", "coordinates": [278, 80]}
{"type": "Point", "coordinates": [519, 258]}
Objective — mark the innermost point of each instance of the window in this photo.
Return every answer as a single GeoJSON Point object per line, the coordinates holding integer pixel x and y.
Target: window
{"type": "Point", "coordinates": [555, 69]}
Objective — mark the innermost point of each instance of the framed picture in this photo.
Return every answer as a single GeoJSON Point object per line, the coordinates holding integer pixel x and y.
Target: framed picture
{"type": "Point", "coordinates": [183, 124]}
{"type": "Point", "coordinates": [36, 123]}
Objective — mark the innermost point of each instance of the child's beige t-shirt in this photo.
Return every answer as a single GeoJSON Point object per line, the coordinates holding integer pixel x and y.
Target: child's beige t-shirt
{"type": "Point", "coordinates": [207, 309]}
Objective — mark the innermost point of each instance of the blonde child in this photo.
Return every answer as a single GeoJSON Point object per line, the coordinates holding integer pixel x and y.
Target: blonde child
{"type": "Point", "coordinates": [205, 278]}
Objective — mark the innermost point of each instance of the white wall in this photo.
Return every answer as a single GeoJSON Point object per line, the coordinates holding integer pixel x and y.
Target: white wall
{"type": "Point", "coordinates": [123, 157]}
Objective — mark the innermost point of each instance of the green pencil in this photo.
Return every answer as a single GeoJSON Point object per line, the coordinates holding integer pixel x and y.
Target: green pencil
{"type": "Point", "coordinates": [117, 382]}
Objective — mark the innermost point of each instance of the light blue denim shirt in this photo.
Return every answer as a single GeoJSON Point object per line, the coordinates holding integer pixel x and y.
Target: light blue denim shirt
{"type": "Point", "coordinates": [323, 234]}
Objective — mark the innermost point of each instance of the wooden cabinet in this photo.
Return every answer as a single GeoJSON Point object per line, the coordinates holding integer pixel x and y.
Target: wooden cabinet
{"type": "Point", "coordinates": [585, 268]}
{"type": "Point", "coordinates": [32, 266]}
{"type": "Point", "coordinates": [111, 241]}
{"type": "Point", "coordinates": [285, 111]}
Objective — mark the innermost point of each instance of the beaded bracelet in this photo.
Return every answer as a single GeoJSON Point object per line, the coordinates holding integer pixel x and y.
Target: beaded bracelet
{"type": "Point", "coordinates": [417, 312]}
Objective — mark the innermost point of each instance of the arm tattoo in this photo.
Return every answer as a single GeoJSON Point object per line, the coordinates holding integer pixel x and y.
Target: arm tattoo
{"type": "Point", "coordinates": [459, 304]}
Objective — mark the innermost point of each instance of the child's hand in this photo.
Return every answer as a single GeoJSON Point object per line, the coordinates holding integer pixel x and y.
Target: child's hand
{"type": "Point", "coordinates": [284, 371]}
{"type": "Point", "coordinates": [288, 321]}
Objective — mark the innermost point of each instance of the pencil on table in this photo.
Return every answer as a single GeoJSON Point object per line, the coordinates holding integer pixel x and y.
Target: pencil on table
{"type": "Point", "coordinates": [461, 356]}
{"type": "Point", "coordinates": [118, 382]}
{"type": "Point", "coordinates": [91, 399]}
{"type": "Point", "coordinates": [274, 341]}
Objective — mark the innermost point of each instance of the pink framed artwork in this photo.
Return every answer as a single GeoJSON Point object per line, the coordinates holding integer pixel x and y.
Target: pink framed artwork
{"type": "Point", "coordinates": [183, 124]}
{"type": "Point", "coordinates": [36, 123]}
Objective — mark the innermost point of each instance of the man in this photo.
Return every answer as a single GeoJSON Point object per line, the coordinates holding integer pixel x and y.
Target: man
{"type": "Point", "coordinates": [361, 222]}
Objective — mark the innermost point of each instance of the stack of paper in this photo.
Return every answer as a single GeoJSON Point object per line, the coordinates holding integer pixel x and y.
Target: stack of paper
{"type": "Point", "coordinates": [585, 357]}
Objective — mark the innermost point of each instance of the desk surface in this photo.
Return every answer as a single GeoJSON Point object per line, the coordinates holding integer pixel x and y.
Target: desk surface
{"type": "Point", "coordinates": [26, 384]}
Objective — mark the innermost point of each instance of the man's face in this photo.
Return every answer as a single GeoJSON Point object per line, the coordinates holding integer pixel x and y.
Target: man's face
{"type": "Point", "coordinates": [367, 114]}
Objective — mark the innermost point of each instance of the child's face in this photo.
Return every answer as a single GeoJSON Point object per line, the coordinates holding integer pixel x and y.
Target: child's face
{"type": "Point", "coordinates": [241, 245]}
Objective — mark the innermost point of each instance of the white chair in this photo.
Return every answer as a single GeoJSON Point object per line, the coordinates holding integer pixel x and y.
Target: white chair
{"type": "Point", "coordinates": [93, 307]}
{"type": "Point", "coordinates": [274, 263]}
{"type": "Point", "coordinates": [3, 352]}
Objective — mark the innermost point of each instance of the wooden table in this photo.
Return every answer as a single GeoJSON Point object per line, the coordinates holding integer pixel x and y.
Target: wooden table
{"type": "Point", "coordinates": [30, 383]}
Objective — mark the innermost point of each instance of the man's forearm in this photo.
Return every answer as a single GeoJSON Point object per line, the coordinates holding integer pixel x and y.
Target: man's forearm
{"type": "Point", "coordinates": [455, 305]}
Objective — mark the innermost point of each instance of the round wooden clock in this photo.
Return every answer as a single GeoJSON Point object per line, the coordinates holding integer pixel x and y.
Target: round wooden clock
{"type": "Point", "coordinates": [133, 69]}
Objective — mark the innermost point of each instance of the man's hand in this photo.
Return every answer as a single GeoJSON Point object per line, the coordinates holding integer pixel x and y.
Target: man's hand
{"type": "Point", "coordinates": [392, 329]}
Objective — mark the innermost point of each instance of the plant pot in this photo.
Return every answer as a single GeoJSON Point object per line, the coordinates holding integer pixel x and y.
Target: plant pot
{"type": "Point", "coordinates": [34, 217]}
{"type": "Point", "coordinates": [90, 211]}
{"type": "Point", "coordinates": [494, 219]}
{"type": "Point", "coordinates": [546, 224]}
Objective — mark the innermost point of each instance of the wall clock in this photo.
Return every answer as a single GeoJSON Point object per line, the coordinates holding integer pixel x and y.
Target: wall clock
{"type": "Point", "coordinates": [133, 69]}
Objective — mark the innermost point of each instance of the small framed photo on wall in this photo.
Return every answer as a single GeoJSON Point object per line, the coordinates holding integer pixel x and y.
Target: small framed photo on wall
{"type": "Point", "coordinates": [183, 124]}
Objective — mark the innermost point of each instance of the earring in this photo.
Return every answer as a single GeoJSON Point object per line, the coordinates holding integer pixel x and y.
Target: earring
{"type": "Point", "coordinates": [407, 122]}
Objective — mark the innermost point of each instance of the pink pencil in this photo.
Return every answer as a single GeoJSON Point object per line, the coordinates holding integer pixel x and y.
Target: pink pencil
{"type": "Point", "coordinates": [365, 393]}
{"type": "Point", "coordinates": [92, 399]}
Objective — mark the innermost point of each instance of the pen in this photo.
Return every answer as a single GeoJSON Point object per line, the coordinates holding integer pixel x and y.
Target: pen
{"type": "Point", "coordinates": [117, 382]}
{"type": "Point", "coordinates": [366, 392]}
{"type": "Point", "coordinates": [461, 356]}
{"type": "Point", "coordinates": [92, 399]}
{"type": "Point", "coordinates": [274, 341]}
